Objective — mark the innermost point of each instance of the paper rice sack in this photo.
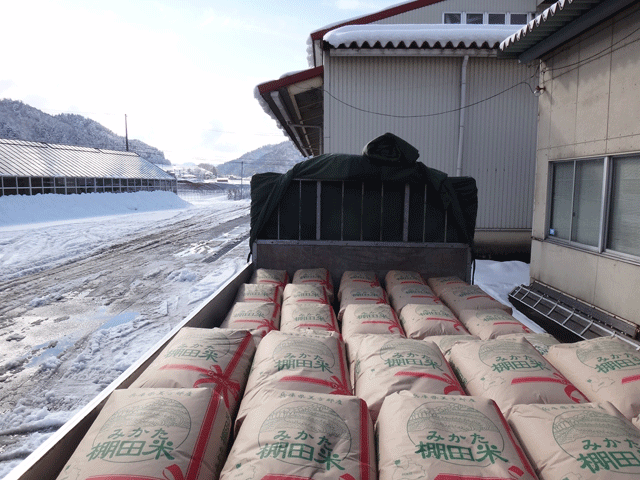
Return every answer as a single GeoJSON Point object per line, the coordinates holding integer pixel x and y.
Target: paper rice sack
{"type": "Point", "coordinates": [362, 295]}
{"type": "Point", "coordinates": [352, 344]}
{"type": "Point", "coordinates": [593, 441]}
{"type": "Point", "coordinates": [259, 292]}
{"type": "Point", "coordinates": [370, 319]}
{"type": "Point", "coordinates": [214, 358]}
{"type": "Point", "coordinates": [314, 316]}
{"type": "Point", "coordinates": [402, 295]}
{"type": "Point", "coordinates": [297, 435]}
{"type": "Point", "coordinates": [305, 293]}
{"type": "Point", "coordinates": [315, 276]}
{"type": "Point", "coordinates": [445, 342]}
{"type": "Point", "coordinates": [274, 277]}
{"type": "Point", "coordinates": [541, 341]}
{"type": "Point", "coordinates": [385, 366]}
{"type": "Point", "coordinates": [487, 324]}
{"type": "Point", "coordinates": [510, 372]}
{"type": "Point", "coordinates": [440, 284]}
{"type": "Point", "coordinates": [154, 434]}
{"type": "Point", "coordinates": [357, 279]}
{"type": "Point", "coordinates": [258, 317]}
{"type": "Point", "coordinates": [423, 321]}
{"type": "Point", "coordinates": [470, 297]}
{"type": "Point", "coordinates": [402, 277]}
{"type": "Point", "coordinates": [306, 360]}
{"type": "Point", "coordinates": [447, 437]}
{"type": "Point", "coordinates": [605, 369]}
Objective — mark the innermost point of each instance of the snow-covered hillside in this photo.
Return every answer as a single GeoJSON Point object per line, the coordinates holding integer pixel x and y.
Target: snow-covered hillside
{"type": "Point", "coordinates": [19, 121]}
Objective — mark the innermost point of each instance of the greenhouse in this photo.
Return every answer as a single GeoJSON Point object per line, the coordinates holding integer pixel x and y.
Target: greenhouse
{"type": "Point", "coordinates": [30, 168]}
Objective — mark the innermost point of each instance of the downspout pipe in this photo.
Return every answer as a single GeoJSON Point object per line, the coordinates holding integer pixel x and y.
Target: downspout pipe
{"type": "Point", "coordinates": [463, 107]}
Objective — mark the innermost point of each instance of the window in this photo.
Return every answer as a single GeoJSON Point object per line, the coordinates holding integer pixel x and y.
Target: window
{"type": "Point", "coordinates": [475, 18]}
{"type": "Point", "coordinates": [518, 18]}
{"type": "Point", "coordinates": [497, 18]}
{"type": "Point", "coordinates": [595, 204]}
{"type": "Point", "coordinates": [452, 18]}
{"type": "Point", "coordinates": [624, 224]}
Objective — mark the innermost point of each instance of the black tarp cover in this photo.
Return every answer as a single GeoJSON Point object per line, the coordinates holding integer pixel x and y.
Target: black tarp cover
{"type": "Point", "coordinates": [387, 158]}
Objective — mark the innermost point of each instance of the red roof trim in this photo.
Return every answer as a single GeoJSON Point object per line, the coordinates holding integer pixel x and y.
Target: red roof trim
{"type": "Point", "coordinates": [274, 85]}
{"type": "Point", "coordinates": [374, 17]}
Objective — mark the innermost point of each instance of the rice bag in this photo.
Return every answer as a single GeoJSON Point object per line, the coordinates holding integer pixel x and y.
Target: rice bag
{"type": "Point", "coordinates": [422, 321]}
{"type": "Point", "coordinates": [511, 372]}
{"type": "Point", "coordinates": [487, 324]}
{"type": "Point", "coordinates": [402, 295]}
{"type": "Point", "coordinates": [371, 318]}
{"type": "Point", "coordinates": [307, 360]}
{"type": "Point", "coordinates": [258, 317]}
{"type": "Point", "coordinates": [592, 441]}
{"type": "Point", "coordinates": [389, 365]}
{"type": "Point", "coordinates": [314, 316]}
{"type": "Point", "coordinates": [352, 278]}
{"type": "Point", "coordinates": [447, 437]}
{"type": "Point", "coordinates": [316, 276]}
{"type": "Point", "coordinates": [154, 433]}
{"type": "Point", "coordinates": [274, 277]}
{"type": "Point", "coordinates": [214, 358]}
{"type": "Point", "coordinates": [605, 369]}
{"type": "Point", "coordinates": [297, 435]}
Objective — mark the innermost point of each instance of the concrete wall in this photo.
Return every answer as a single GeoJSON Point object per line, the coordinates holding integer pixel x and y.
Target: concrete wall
{"type": "Point", "coordinates": [590, 107]}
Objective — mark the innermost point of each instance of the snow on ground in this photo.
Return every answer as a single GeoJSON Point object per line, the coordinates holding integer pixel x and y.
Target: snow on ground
{"type": "Point", "coordinates": [40, 232]}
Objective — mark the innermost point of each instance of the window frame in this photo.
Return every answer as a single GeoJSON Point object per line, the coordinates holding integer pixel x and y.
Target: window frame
{"type": "Point", "coordinates": [605, 208]}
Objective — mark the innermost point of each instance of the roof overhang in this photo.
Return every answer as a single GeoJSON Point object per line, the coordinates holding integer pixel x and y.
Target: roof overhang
{"type": "Point", "coordinates": [558, 24]}
{"type": "Point", "coordinates": [416, 38]}
{"type": "Point", "coordinates": [295, 101]}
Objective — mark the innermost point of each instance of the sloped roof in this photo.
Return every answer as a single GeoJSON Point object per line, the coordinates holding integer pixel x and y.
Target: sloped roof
{"type": "Point", "coordinates": [35, 159]}
{"type": "Point", "coordinates": [418, 36]}
{"type": "Point", "coordinates": [375, 17]}
{"type": "Point", "coordinates": [295, 102]}
{"type": "Point", "coordinates": [556, 25]}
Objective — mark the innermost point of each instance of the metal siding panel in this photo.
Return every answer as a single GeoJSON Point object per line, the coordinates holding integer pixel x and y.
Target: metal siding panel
{"type": "Point", "coordinates": [500, 134]}
{"type": "Point", "coordinates": [500, 141]}
{"type": "Point", "coordinates": [395, 86]}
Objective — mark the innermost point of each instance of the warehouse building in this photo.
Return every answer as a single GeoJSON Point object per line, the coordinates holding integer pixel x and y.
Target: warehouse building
{"type": "Point", "coordinates": [427, 71]}
{"type": "Point", "coordinates": [31, 168]}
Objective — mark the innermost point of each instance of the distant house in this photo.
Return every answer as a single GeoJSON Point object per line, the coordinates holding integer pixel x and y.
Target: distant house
{"type": "Point", "coordinates": [30, 168]}
{"type": "Point", "coordinates": [428, 72]}
{"type": "Point", "coordinates": [585, 262]}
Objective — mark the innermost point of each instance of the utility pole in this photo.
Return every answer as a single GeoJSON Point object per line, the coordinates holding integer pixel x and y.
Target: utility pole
{"type": "Point", "coordinates": [126, 133]}
{"type": "Point", "coordinates": [241, 179]}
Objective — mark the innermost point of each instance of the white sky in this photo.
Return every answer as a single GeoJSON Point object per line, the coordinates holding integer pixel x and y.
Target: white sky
{"type": "Point", "coordinates": [182, 71]}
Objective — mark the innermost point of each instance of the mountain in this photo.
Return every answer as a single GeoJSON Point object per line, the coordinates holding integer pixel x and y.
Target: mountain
{"type": "Point", "coordinates": [20, 121]}
{"type": "Point", "coordinates": [270, 158]}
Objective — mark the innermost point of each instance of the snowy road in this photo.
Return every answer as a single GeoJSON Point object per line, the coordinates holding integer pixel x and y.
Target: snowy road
{"type": "Point", "coordinates": [81, 300]}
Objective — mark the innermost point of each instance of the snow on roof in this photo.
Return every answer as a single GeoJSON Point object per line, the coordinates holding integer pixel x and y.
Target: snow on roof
{"type": "Point", "coordinates": [420, 35]}
{"type": "Point", "coordinates": [535, 23]}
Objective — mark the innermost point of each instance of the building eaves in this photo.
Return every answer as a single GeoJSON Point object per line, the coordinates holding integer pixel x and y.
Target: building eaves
{"type": "Point", "coordinates": [418, 36]}
{"type": "Point", "coordinates": [556, 25]}
{"type": "Point", "coordinates": [295, 102]}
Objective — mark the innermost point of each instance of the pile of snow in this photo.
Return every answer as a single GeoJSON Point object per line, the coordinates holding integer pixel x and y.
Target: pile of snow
{"type": "Point", "coordinates": [21, 209]}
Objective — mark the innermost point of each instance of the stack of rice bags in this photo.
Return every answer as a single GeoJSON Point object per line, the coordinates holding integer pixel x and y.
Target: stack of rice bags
{"type": "Point", "coordinates": [298, 417]}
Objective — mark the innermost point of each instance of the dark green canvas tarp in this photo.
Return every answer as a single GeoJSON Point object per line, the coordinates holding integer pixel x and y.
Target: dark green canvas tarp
{"type": "Point", "coordinates": [386, 160]}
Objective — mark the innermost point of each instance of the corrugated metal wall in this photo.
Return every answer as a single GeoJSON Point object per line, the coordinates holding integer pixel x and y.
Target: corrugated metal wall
{"type": "Point", "coordinates": [499, 145]}
{"type": "Point", "coordinates": [433, 13]}
{"type": "Point", "coordinates": [394, 86]}
{"type": "Point", "coordinates": [500, 142]}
